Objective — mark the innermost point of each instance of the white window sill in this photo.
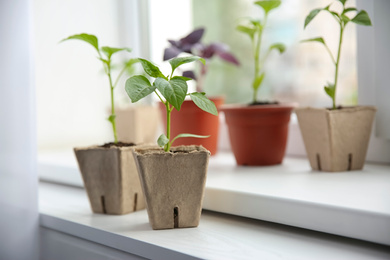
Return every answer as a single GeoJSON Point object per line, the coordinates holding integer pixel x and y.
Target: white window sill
{"type": "Point", "coordinates": [352, 204]}
{"type": "Point", "coordinates": [219, 236]}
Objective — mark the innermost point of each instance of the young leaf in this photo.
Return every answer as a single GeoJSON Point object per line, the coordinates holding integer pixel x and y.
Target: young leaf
{"type": "Point", "coordinates": [318, 39]}
{"type": "Point", "coordinates": [111, 118]}
{"type": "Point", "coordinates": [108, 51]}
{"type": "Point", "coordinates": [162, 140]}
{"type": "Point", "coordinates": [362, 18]}
{"type": "Point", "coordinates": [311, 16]}
{"type": "Point", "coordinates": [182, 77]}
{"type": "Point", "coordinates": [176, 62]}
{"type": "Point", "coordinates": [138, 87]}
{"type": "Point", "coordinates": [258, 80]}
{"type": "Point", "coordinates": [268, 5]}
{"type": "Point", "coordinates": [188, 135]}
{"type": "Point", "coordinates": [204, 103]}
{"type": "Point", "coordinates": [278, 46]}
{"type": "Point", "coordinates": [330, 90]}
{"type": "Point", "coordinates": [345, 19]}
{"type": "Point", "coordinates": [349, 9]}
{"type": "Point", "coordinates": [174, 90]}
{"type": "Point", "coordinates": [151, 69]}
{"type": "Point", "coordinates": [89, 38]}
{"type": "Point", "coordinates": [343, 1]}
{"type": "Point", "coordinates": [246, 29]}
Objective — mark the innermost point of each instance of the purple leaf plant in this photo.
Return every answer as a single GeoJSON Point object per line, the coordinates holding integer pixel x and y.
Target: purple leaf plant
{"type": "Point", "coordinates": [192, 44]}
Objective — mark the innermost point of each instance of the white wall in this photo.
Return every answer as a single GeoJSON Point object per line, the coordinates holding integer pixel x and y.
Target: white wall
{"type": "Point", "coordinates": [18, 178]}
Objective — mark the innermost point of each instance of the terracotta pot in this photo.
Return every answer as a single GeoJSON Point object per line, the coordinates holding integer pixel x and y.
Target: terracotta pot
{"type": "Point", "coordinates": [173, 184]}
{"type": "Point", "coordinates": [336, 140]}
{"type": "Point", "coordinates": [110, 179]}
{"type": "Point", "coordinates": [191, 119]}
{"type": "Point", "coordinates": [258, 134]}
{"type": "Point", "coordinates": [137, 124]}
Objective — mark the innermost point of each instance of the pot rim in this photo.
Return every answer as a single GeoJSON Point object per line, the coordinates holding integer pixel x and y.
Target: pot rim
{"type": "Point", "coordinates": [280, 106]}
{"type": "Point", "coordinates": [153, 150]}
{"type": "Point", "coordinates": [346, 109]}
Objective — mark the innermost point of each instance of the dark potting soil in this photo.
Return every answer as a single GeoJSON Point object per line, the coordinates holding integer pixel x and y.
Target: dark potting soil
{"type": "Point", "coordinates": [337, 108]}
{"type": "Point", "coordinates": [118, 144]}
{"type": "Point", "coordinates": [262, 103]}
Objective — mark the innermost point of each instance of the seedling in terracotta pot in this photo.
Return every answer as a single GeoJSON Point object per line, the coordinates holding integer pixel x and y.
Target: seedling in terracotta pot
{"type": "Point", "coordinates": [254, 28]}
{"type": "Point", "coordinates": [343, 18]}
{"type": "Point", "coordinates": [104, 55]}
{"type": "Point", "coordinates": [336, 139]}
{"type": "Point", "coordinates": [192, 44]}
{"type": "Point", "coordinates": [173, 89]}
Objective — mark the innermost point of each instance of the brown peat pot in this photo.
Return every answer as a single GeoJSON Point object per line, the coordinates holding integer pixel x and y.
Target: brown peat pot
{"type": "Point", "coordinates": [336, 140]}
{"type": "Point", "coordinates": [110, 179]}
{"type": "Point", "coordinates": [191, 119]}
{"type": "Point", "coordinates": [258, 134]}
{"type": "Point", "coordinates": [173, 183]}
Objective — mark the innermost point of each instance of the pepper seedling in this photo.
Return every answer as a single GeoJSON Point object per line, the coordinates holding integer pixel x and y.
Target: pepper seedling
{"type": "Point", "coordinates": [104, 55]}
{"type": "Point", "coordinates": [173, 89]}
{"type": "Point", "coordinates": [342, 19]}
{"type": "Point", "coordinates": [254, 29]}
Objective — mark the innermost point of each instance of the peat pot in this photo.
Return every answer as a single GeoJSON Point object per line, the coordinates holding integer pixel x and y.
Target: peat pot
{"type": "Point", "coordinates": [191, 119]}
{"type": "Point", "coordinates": [110, 178]}
{"type": "Point", "coordinates": [137, 124]}
{"type": "Point", "coordinates": [336, 140]}
{"type": "Point", "coordinates": [258, 134]}
{"type": "Point", "coordinates": [173, 183]}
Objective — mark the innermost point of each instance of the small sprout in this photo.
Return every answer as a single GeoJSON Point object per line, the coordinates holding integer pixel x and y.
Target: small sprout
{"type": "Point", "coordinates": [173, 89]}
{"type": "Point", "coordinates": [342, 19]}
{"type": "Point", "coordinates": [106, 60]}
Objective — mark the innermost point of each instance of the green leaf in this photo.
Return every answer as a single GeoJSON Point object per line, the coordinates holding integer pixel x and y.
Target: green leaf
{"type": "Point", "coordinates": [89, 38]}
{"type": "Point", "coordinates": [104, 61]}
{"type": "Point", "coordinates": [318, 39]}
{"type": "Point", "coordinates": [345, 19]}
{"type": "Point", "coordinates": [138, 87]}
{"type": "Point", "coordinates": [204, 103]}
{"type": "Point", "coordinates": [188, 135]}
{"type": "Point", "coordinates": [174, 91]}
{"type": "Point", "coordinates": [311, 16]}
{"type": "Point", "coordinates": [111, 118]}
{"type": "Point", "coordinates": [343, 1]}
{"type": "Point", "coordinates": [151, 69]}
{"type": "Point", "coordinates": [330, 90]}
{"type": "Point", "coordinates": [350, 9]}
{"type": "Point", "coordinates": [108, 51]}
{"type": "Point", "coordinates": [362, 18]}
{"type": "Point", "coordinates": [162, 140]}
{"type": "Point", "coordinates": [268, 5]}
{"type": "Point", "coordinates": [258, 80]}
{"type": "Point", "coordinates": [176, 62]}
{"type": "Point", "coordinates": [181, 77]}
{"type": "Point", "coordinates": [247, 30]}
{"type": "Point", "coordinates": [278, 46]}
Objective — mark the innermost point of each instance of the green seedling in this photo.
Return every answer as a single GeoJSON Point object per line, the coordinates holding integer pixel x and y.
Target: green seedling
{"type": "Point", "coordinates": [104, 55]}
{"type": "Point", "coordinates": [254, 29]}
{"type": "Point", "coordinates": [342, 18]}
{"type": "Point", "coordinates": [173, 89]}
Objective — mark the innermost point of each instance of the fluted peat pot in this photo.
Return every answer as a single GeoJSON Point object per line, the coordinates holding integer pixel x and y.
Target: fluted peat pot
{"type": "Point", "coordinates": [110, 178]}
{"type": "Point", "coordinates": [336, 140]}
{"type": "Point", "coordinates": [173, 183]}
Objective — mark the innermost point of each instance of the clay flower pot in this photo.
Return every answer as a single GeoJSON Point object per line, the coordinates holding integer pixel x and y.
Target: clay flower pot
{"type": "Point", "coordinates": [137, 124]}
{"type": "Point", "coordinates": [258, 134]}
{"type": "Point", "coordinates": [336, 140]}
{"type": "Point", "coordinates": [111, 179]}
{"type": "Point", "coordinates": [191, 119]}
{"type": "Point", "coordinates": [173, 184]}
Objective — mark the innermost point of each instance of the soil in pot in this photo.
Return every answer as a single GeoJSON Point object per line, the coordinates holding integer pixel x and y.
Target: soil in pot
{"type": "Point", "coordinates": [336, 140]}
{"type": "Point", "coordinates": [191, 119]}
{"type": "Point", "coordinates": [110, 178]}
{"type": "Point", "coordinates": [173, 184]}
{"type": "Point", "coordinates": [258, 134]}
